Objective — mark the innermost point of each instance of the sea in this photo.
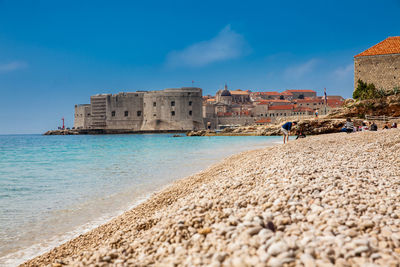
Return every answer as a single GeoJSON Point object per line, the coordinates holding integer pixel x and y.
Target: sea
{"type": "Point", "coordinates": [54, 188]}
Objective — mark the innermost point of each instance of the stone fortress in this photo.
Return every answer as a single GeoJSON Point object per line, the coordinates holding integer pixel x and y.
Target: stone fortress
{"type": "Point", "coordinates": [173, 109]}
{"type": "Point", "coordinates": [185, 109]}
{"type": "Point", "coordinates": [379, 64]}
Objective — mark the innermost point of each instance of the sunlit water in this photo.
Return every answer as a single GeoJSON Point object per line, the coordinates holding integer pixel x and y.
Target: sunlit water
{"type": "Point", "coordinates": [53, 188]}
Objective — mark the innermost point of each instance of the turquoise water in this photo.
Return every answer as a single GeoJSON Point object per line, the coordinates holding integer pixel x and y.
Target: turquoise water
{"type": "Point", "coordinates": [53, 188]}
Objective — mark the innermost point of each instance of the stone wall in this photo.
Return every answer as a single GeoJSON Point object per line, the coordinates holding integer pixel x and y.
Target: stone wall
{"type": "Point", "coordinates": [382, 70]}
{"type": "Point", "coordinates": [173, 109]}
{"type": "Point", "coordinates": [82, 116]}
{"type": "Point", "coordinates": [125, 111]}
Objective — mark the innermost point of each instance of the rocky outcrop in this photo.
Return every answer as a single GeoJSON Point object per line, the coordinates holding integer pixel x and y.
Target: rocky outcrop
{"type": "Point", "coordinates": [61, 132]}
{"type": "Point", "coordinates": [308, 127]}
{"type": "Point", "coordinates": [388, 106]}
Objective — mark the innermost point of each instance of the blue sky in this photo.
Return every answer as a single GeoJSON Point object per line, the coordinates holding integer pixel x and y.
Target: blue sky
{"type": "Point", "coordinates": [54, 54]}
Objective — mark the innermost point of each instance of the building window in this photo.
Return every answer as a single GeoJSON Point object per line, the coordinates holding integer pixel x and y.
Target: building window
{"type": "Point", "coordinates": [190, 112]}
{"type": "Point", "coordinates": [154, 115]}
{"type": "Point", "coordinates": [285, 114]}
{"type": "Point", "coordinates": [112, 113]}
{"type": "Point", "coordinates": [139, 113]}
{"type": "Point", "coordinates": [126, 113]}
{"type": "Point", "coordinates": [172, 103]}
{"type": "Point", "coordinates": [261, 115]}
{"type": "Point", "coordinates": [154, 104]}
{"type": "Point", "coordinates": [172, 113]}
{"type": "Point", "coordinates": [190, 103]}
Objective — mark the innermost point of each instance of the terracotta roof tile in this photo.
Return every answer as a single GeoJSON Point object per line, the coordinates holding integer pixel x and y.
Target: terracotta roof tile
{"type": "Point", "coordinates": [281, 107]}
{"type": "Point", "coordinates": [286, 93]}
{"type": "Point", "coordinates": [300, 91]}
{"type": "Point", "coordinates": [390, 45]}
{"type": "Point", "coordinates": [267, 93]}
{"type": "Point", "coordinates": [264, 120]}
{"type": "Point", "coordinates": [239, 92]}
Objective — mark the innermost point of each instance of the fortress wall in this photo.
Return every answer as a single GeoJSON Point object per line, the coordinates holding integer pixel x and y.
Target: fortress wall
{"type": "Point", "coordinates": [247, 120]}
{"type": "Point", "coordinates": [260, 109]}
{"type": "Point", "coordinates": [98, 111]}
{"type": "Point", "coordinates": [173, 109]}
{"type": "Point", "coordinates": [82, 116]}
{"type": "Point", "coordinates": [125, 111]}
{"type": "Point", "coordinates": [382, 70]}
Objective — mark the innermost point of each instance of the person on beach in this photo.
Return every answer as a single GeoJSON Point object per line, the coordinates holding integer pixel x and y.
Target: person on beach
{"type": "Point", "coordinates": [349, 126]}
{"type": "Point", "coordinates": [364, 127]}
{"type": "Point", "coordinates": [394, 125]}
{"type": "Point", "coordinates": [286, 128]}
{"type": "Point", "coordinates": [373, 127]}
{"type": "Point", "coordinates": [316, 113]}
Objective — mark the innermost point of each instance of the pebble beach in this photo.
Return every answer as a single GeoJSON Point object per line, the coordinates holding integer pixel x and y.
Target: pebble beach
{"type": "Point", "coordinates": [327, 200]}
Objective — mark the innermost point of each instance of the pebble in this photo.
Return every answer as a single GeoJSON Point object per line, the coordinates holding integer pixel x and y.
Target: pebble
{"type": "Point", "coordinates": [322, 199]}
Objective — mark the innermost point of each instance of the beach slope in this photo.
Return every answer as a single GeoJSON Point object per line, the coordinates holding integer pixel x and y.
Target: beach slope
{"type": "Point", "coordinates": [324, 200]}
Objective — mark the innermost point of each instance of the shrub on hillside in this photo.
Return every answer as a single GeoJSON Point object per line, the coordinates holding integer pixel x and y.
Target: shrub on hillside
{"type": "Point", "coordinates": [365, 91]}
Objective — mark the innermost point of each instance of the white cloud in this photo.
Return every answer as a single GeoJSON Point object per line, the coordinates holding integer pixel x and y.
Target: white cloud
{"type": "Point", "coordinates": [12, 66]}
{"type": "Point", "coordinates": [298, 71]}
{"type": "Point", "coordinates": [344, 72]}
{"type": "Point", "coordinates": [226, 45]}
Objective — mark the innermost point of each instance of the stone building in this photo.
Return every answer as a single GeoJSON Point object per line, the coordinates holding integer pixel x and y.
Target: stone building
{"type": "Point", "coordinates": [224, 96]}
{"type": "Point", "coordinates": [379, 64]}
{"type": "Point", "coordinates": [173, 109]}
{"type": "Point", "coordinates": [301, 93]}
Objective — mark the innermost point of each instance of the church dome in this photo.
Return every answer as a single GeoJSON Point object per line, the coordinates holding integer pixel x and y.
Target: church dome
{"type": "Point", "coordinates": [226, 93]}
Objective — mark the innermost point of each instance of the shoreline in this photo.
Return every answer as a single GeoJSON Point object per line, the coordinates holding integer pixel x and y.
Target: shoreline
{"type": "Point", "coordinates": [161, 195]}
{"type": "Point", "coordinates": [62, 238]}
{"type": "Point", "coordinates": [132, 236]}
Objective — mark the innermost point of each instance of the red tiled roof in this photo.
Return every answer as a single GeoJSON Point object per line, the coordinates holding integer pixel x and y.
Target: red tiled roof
{"type": "Point", "coordinates": [286, 93]}
{"type": "Point", "coordinates": [390, 45]}
{"type": "Point", "coordinates": [239, 92]}
{"type": "Point", "coordinates": [266, 93]}
{"type": "Point", "coordinates": [281, 107]}
{"type": "Point", "coordinates": [333, 103]}
{"type": "Point", "coordinates": [338, 97]}
{"type": "Point", "coordinates": [300, 91]}
{"type": "Point", "coordinates": [265, 120]}
{"type": "Point", "coordinates": [273, 101]}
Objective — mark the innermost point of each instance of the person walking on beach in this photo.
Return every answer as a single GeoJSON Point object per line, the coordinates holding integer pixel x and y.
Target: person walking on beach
{"type": "Point", "coordinates": [316, 113]}
{"type": "Point", "coordinates": [286, 128]}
